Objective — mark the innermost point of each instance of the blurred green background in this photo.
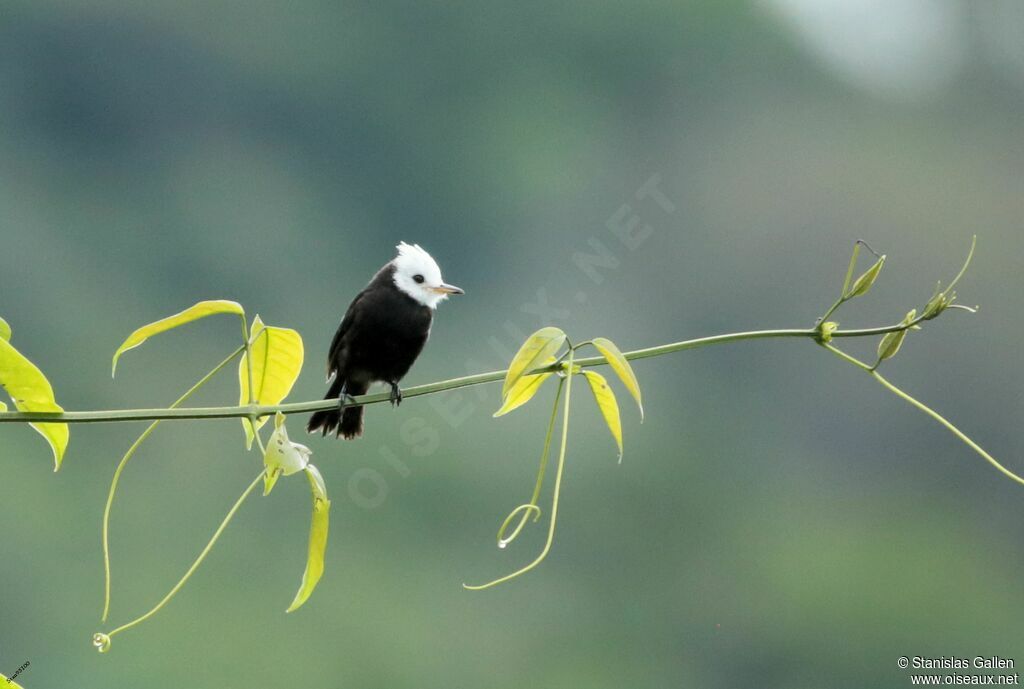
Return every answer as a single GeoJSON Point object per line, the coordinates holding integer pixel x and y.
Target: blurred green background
{"type": "Point", "coordinates": [779, 520]}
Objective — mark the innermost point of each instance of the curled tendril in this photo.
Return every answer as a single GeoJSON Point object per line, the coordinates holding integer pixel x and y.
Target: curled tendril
{"type": "Point", "coordinates": [531, 507]}
{"type": "Point", "coordinates": [526, 510]}
{"type": "Point", "coordinates": [101, 641]}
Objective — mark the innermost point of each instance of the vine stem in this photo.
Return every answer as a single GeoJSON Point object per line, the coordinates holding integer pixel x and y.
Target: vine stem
{"type": "Point", "coordinates": [927, 410]}
{"type": "Point", "coordinates": [102, 641]}
{"type": "Point", "coordinates": [952, 429]}
{"type": "Point", "coordinates": [124, 462]}
{"type": "Point", "coordinates": [256, 411]}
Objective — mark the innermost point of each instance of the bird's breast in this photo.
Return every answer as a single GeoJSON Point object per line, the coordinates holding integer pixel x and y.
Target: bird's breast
{"type": "Point", "coordinates": [390, 337]}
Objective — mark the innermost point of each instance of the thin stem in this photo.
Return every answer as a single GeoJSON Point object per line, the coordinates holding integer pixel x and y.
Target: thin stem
{"type": "Point", "coordinates": [927, 410]}
{"type": "Point", "coordinates": [526, 510]}
{"type": "Point", "coordinates": [952, 429]}
{"type": "Point", "coordinates": [963, 269]}
{"type": "Point", "coordinates": [102, 641]}
{"type": "Point", "coordinates": [244, 411]}
{"type": "Point", "coordinates": [839, 302]}
{"type": "Point", "coordinates": [259, 440]}
{"type": "Point", "coordinates": [547, 441]}
{"type": "Point", "coordinates": [554, 499]}
{"type": "Point", "coordinates": [248, 355]}
{"type": "Point", "coordinates": [124, 462]}
{"type": "Point", "coordinates": [846, 357]}
{"type": "Point", "coordinates": [248, 367]}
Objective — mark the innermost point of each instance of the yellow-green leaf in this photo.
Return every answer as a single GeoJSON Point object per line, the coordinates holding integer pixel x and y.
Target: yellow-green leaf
{"type": "Point", "coordinates": [200, 310]}
{"type": "Point", "coordinates": [31, 391]}
{"type": "Point", "coordinates": [9, 682]}
{"type": "Point", "coordinates": [317, 538]}
{"type": "Point", "coordinates": [538, 348]}
{"type": "Point", "coordinates": [622, 369]}
{"type": "Point", "coordinates": [609, 407]}
{"type": "Point", "coordinates": [5, 330]}
{"type": "Point", "coordinates": [283, 457]}
{"type": "Point", "coordinates": [277, 355]}
{"type": "Point", "coordinates": [524, 390]}
{"type": "Point", "coordinates": [3, 407]}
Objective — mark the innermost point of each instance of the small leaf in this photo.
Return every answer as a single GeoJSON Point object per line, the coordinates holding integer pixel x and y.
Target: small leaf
{"type": "Point", "coordinates": [282, 454]}
{"type": "Point", "coordinates": [892, 342]}
{"type": "Point", "coordinates": [5, 330]}
{"type": "Point", "coordinates": [317, 538]}
{"type": "Point", "coordinates": [865, 281]}
{"type": "Point", "coordinates": [3, 407]}
{"type": "Point", "coordinates": [621, 366]}
{"type": "Point", "coordinates": [524, 390]}
{"type": "Point", "coordinates": [539, 347]}
{"type": "Point", "coordinates": [200, 310]}
{"type": "Point", "coordinates": [609, 407]}
{"type": "Point", "coordinates": [31, 391]}
{"type": "Point", "coordinates": [277, 355]}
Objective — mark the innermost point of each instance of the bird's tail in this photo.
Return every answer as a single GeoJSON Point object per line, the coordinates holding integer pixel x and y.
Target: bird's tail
{"type": "Point", "coordinates": [347, 423]}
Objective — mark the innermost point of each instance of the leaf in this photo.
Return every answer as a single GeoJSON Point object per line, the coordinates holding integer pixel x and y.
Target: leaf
{"type": "Point", "coordinates": [891, 343]}
{"type": "Point", "coordinates": [622, 369]}
{"type": "Point", "coordinates": [283, 457]}
{"type": "Point", "coordinates": [31, 391]}
{"type": "Point", "coordinates": [5, 330]}
{"type": "Point", "coordinates": [317, 538]}
{"type": "Point", "coordinates": [538, 347]}
{"type": "Point", "coordinates": [9, 682]}
{"type": "Point", "coordinates": [524, 390]}
{"type": "Point", "coordinates": [3, 407]}
{"type": "Point", "coordinates": [193, 313]}
{"type": "Point", "coordinates": [277, 355]}
{"type": "Point", "coordinates": [606, 402]}
{"type": "Point", "coordinates": [864, 282]}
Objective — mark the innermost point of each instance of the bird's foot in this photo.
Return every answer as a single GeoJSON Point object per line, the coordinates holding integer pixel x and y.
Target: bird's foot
{"type": "Point", "coordinates": [345, 399]}
{"type": "Point", "coordinates": [396, 395]}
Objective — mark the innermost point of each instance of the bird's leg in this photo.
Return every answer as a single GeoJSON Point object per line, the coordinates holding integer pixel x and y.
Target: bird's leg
{"type": "Point", "coordinates": [344, 398]}
{"type": "Point", "coordinates": [396, 393]}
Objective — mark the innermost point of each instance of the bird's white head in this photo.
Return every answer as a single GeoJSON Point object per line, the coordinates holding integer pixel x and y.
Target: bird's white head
{"type": "Point", "coordinates": [418, 275]}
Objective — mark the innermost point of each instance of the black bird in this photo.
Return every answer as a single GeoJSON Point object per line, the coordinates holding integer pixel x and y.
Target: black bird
{"type": "Point", "coordinates": [381, 335]}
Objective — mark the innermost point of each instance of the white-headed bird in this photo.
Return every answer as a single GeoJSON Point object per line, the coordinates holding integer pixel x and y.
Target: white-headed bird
{"type": "Point", "coordinates": [381, 335]}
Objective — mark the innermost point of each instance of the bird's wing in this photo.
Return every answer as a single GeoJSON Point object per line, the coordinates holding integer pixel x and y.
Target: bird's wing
{"type": "Point", "coordinates": [336, 355]}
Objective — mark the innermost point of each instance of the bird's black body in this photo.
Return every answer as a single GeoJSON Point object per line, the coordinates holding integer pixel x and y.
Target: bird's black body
{"type": "Point", "coordinates": [379, 338]}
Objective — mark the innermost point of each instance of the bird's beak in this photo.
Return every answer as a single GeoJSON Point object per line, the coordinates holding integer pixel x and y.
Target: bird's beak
{"type": "Point", "coordinates": [448, 289]}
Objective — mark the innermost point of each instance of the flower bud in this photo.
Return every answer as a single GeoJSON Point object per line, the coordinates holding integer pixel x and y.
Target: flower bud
{"type": "Point", "coordinates": [892, 342]}
{"type": "Point", "coordinates": [864, 282]}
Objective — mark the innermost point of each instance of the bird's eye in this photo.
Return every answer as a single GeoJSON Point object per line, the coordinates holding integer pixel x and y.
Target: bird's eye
{"type": "Point", "coordinates": [418, 279]}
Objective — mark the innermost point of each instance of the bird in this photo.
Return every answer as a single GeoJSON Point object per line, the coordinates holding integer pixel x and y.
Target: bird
{"type": "Point", "coordinates": [381, 336]}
